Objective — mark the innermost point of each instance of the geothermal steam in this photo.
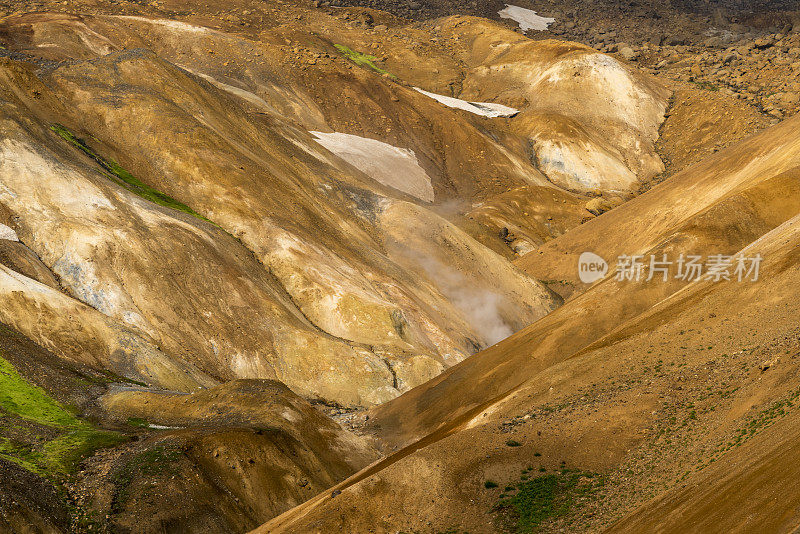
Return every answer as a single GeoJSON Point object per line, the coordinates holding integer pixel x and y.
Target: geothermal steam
{"type": "Point", "coordinates": [479, 307]}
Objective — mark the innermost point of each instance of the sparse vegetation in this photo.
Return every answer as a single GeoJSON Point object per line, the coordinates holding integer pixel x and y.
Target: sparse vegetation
{"type": "Point", "coordinates": [763, 419]}
{"type": "Point", "coordinates": [489, 484]}
{"type": "Point", "coordinates": [363, 60]}
{"type": "Point", "coordinates": [546, 498]}
{"type": "Point", "coordinates": [513, 443]}
{"type": "Point", "coordinates": [155, 461]}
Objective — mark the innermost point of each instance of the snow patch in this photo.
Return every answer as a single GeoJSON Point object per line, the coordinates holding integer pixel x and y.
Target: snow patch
{"type": "Point", "coordinates": [8, 233]}
{"type": "Point", "coordinates": [486, 109]}
{"type": "Point", "coordinates": [389, 165]}
{"type": "Point", "coordinates": [526, 18]}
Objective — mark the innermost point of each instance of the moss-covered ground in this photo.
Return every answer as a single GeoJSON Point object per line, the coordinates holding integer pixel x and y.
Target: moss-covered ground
{"type": "Point", "coordinates": [545, 499]}
{"type": "Point", "coordinates": [363, 60]}
{"type": "Point", "coordinates": [41, 435]}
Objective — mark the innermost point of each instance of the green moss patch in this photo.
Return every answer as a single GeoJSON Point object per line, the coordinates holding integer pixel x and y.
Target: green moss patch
{"type": "Point", "coordinates": [21, 455]}
{"type": "Point", "coordinates": [38, 433]}
{"type": "Point", "coordinates": [118, 174]}
{"type": "Point", "coordinates": [707, 86]}
{"type": "Point", "coordinates": [18, 396]}
{"type": "Point", "coordinates": [363, 60]}
{"type": "Point", "coordinates": [546, 498]}
{"type": "Point", "coordinates": [63, 454]}
{"type": "Point", "coordinates": [138, 422]}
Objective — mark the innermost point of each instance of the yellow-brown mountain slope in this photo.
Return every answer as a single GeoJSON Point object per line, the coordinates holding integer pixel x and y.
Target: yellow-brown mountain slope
{"type": "Point", "coordinates": [344, 277]}
{"type": "Point", "coordinates": [640, 385]}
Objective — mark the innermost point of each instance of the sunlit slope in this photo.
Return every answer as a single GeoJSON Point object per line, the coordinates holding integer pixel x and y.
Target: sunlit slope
{"type": "Point", "coordinates": [604, 144]}
{"type": "Point", "coordinates": [384, 283]}
{"type": "Point", "coordinates": [750, 491]}
{"type": "Point", "coordinates": [718, 206]}
{"type": "Point", "coordinates": [677, 395]}
{"type": "Point", "coordinates": [722, 203]}
{"type": "Point", "coordinates": [322, 254]}
{"type": "Point", "coordinates": [470, 160]}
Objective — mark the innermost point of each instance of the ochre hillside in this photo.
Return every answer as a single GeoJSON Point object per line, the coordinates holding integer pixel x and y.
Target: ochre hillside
{"type": "Point", "coordinates": [295, 267]}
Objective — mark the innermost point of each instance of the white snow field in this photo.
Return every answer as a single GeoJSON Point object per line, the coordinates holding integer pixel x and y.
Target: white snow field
{"type": "Point", "coordinates": [487, 109]}
{"type": "Point", "coordinates": [389, 165]}
{"type": "Point", "coordinates": [526, 18]}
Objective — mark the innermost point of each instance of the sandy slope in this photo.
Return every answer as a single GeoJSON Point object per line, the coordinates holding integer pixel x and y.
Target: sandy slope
{"type": "Point", "coordinates": [596, 379]}
{"type": "Point", "coordinates": [256, 205]}
{"type": "Point", "coordinates": [722, 204]}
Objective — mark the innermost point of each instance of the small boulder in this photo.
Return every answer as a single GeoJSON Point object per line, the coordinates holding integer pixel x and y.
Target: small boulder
{"type": "Point", "coordinates": [628, 53]}
{"type": "Point", "coordinates": [764, 42]}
